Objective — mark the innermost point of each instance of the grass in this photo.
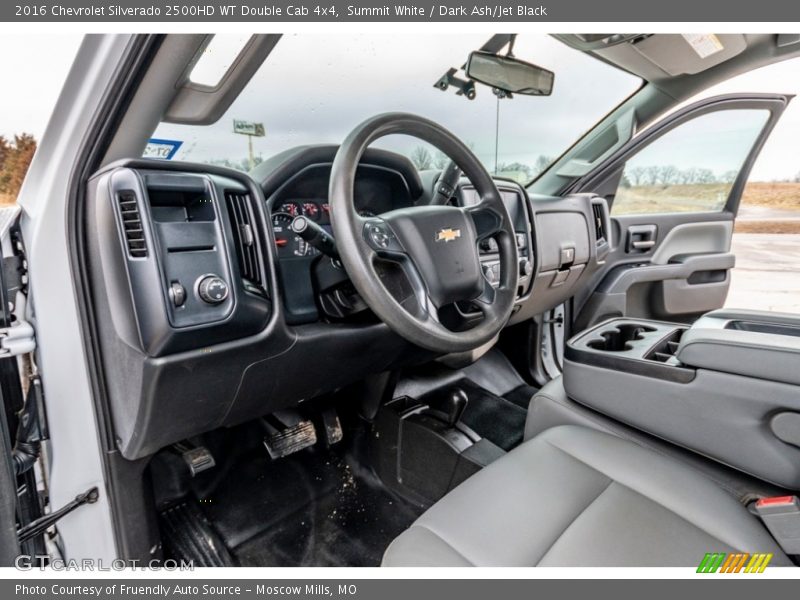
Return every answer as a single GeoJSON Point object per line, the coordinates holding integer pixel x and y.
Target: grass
{"type": "Point", "coordinates": [785, 196]}
{"type": "Point", "coordinates": [767, 227]}
{"type": "Point", "coordinates": [703, 197]}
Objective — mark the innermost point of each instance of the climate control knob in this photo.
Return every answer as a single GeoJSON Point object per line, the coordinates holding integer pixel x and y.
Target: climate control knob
{"type": "Point", "coordinates": [212, 289]}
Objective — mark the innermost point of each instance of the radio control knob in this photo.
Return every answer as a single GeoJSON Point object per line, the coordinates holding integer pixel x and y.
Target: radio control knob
{"type": "Point", "coordinates": [212, 289]}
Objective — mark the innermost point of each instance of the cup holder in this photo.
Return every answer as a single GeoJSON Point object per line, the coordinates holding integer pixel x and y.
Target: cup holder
{"type": "Point", "coordinates": [619, 338]}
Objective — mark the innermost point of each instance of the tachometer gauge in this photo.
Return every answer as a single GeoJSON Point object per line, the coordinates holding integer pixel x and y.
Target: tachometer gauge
{"type": "Point", "coordinates": [289, 244]}
{"type": "Point", "coordinates": [312, 211]}
{"type": "Point", "coordinates": [292, 208]}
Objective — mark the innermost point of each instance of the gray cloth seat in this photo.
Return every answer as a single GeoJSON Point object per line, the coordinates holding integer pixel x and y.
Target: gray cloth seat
{"type": "Point", "coordinates": [575, 496]}
{"type": "Point", "coordinates": [550, 407]}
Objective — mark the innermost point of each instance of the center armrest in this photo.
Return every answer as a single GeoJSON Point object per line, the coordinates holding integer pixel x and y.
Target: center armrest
{"type": "Point", "coordinates": [771, 356]}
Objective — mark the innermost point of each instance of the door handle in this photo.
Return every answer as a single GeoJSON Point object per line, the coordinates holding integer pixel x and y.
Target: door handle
{"type": "Point", "coordinates": [641, 238]}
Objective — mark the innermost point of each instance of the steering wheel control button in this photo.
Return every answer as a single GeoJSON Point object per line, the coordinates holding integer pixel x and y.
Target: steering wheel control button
{"type": "Point", "coordinates": [489, 246]}
{"type": "Point", "coordinates": [492, 272]}
{"type": "Point", "coordinates": [177, 293]}
{"type": "Point", "coordinates": [212, 289]}
{"type": "Point", "coordinates": [380, 237]}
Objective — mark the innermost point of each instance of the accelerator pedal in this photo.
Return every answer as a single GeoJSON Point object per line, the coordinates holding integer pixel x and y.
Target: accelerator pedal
{"type": "Point", "coordinates": [333, 427]}
{"type": "Point", "coordinates": [287, 433]}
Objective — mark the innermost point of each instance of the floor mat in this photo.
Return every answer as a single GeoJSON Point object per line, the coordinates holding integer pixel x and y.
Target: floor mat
{"type": "Point", "coordinates": [521, 396]}
{"type": "Point", "coordinates": [314, 508]}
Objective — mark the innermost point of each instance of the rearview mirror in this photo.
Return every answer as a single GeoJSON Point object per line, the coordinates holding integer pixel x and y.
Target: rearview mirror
{"type": "Point", "coordinates": [509, 74]}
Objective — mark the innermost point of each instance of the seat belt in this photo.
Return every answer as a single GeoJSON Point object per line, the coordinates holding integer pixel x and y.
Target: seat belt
{"type": "Point", "coordinates": [781, 516]}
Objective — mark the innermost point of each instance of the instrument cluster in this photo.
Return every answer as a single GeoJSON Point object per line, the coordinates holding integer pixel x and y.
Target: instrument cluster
{"type": "Point", "coordinates": [288, 243]}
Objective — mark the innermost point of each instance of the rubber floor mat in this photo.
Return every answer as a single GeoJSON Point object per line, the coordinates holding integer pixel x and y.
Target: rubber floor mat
{"type": "Point", "coordinates": [314, 508]}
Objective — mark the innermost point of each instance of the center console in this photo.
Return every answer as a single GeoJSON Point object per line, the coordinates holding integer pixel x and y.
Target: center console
{"type": "Point", "coordinates": [728, 387]}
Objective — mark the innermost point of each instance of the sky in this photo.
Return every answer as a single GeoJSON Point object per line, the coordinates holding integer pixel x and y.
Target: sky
{"type": "Point", "coordinates": [33, 74]}
{"type": "Point", "coordinates": [315, 89]}
{"type": "Point", "coordinates": [317, 92]}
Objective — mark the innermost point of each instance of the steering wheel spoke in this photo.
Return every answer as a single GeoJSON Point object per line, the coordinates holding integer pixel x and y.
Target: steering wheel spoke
{"type": "Point", "coordinates": [400, 276]}
{"type": "Point", "coordinates": [486, 300]}
{"type": "Point", "coordinates": [488, 222]}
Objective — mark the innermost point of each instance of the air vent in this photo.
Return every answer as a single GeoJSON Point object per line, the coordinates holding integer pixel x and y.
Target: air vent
{"type": "Point", "coordinates": [599, 213]}
{"type": "Point", "coordinates": [244, 238]}
{"type": "Point", "coordinates": [132, 224]}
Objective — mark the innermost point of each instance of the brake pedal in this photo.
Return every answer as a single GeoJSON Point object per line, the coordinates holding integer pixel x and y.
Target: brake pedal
{"type": "Point", "coordinates": [290, 439]}
{"type": "Point", "coordinates": [333, 427]}
{"type": "Point", "coordinates": [197, 458]}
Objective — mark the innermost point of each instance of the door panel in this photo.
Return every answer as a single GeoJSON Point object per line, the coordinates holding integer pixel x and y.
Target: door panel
{"type": "Point", "coordinates": [686, 274]}
{"type": "Point", "coordinates": [678, 188]}
{"type": "Point", "coordinates": [694, 238]}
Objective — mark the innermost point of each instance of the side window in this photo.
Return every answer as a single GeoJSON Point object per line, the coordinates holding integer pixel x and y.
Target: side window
{"type": "Point", "coordinates": [692, 167]}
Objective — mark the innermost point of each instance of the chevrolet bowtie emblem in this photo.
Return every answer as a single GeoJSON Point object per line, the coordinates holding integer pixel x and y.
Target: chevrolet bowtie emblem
{"type": "Point", "coordinates": [448, 235]}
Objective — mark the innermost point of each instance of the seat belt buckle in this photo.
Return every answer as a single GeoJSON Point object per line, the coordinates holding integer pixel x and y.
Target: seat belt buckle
{"type": "Point", "coordinates": [781, 515]}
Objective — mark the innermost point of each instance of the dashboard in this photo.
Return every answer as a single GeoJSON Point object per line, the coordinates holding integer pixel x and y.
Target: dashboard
{"type": "Point", "coordinates": [210, 309]}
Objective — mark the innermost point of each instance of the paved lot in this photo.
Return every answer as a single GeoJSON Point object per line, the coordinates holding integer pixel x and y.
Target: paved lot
{"type": "Point", "coordinates": [767, 213]}
{"type": "Point", "coordinates": [767, 273]}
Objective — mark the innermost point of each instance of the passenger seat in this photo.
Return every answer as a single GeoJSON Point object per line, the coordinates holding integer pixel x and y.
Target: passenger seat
{"type": "Point", "coordinates": [576, 496]}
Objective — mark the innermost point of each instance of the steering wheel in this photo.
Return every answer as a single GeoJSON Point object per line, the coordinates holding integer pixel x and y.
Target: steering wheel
{"type": "Point", "coordinates": [410, 263]}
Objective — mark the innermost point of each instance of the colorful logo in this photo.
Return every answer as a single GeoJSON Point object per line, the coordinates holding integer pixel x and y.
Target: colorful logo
{"type": "Point", "coordinates": [448, 234]}
{"type": "Point", "coordinates": [720, 562]}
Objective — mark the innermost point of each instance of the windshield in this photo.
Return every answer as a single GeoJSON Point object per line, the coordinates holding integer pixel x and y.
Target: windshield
{"type": "Point", "coordinates": [315, 88]}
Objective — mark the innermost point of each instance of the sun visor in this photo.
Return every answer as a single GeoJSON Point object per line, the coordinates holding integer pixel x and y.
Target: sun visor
{"type": "Point", "coordinates": [202, 104]}
{"type": "Point", "coordinates": [690, 53]}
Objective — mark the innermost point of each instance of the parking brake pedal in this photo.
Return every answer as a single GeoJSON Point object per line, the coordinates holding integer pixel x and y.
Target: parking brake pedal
{"type": "Point", "coordinates": [197, 458]}
{"type": "Point", "coordinates": [287, 434]}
